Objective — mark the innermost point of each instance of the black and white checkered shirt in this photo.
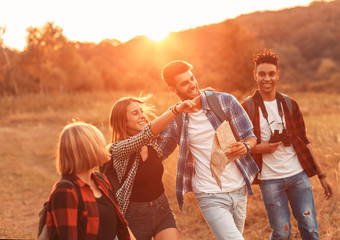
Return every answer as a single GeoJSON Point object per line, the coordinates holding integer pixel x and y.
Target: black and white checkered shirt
{"type": "Point", "coordinates": [121, 153]}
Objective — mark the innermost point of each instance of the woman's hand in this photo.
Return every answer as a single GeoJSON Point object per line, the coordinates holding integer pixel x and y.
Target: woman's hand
{"type": "Point", "coordinates": [188, 105]}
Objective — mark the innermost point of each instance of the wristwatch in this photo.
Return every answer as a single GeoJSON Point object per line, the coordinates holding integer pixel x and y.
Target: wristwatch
{"type": "Point", "coordinates": [247, 147]}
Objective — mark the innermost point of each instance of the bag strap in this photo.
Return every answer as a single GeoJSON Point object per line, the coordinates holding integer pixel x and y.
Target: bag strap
{"type": "Point", "coordinates": [179, 122]}
{"type": "Point", "coordinates": [68, 179]}
{"type": "Point", "coordinates": [42, 229]}
{"type": "Point", "coordinates": [289, 103]}
{"type": "Point", "coordinates": [81, 206]}
{"type": "Point", "coordinates": [215, 105]}
{"type": "Point", "coordinates": [251, 105]}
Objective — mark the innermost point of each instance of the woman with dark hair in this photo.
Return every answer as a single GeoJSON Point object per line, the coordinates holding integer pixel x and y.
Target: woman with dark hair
{"type": "Point", "coordinates": [138, 164]}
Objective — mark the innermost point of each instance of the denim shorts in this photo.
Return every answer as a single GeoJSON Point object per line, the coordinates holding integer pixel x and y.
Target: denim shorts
{"type": "Point", "coordinates": [147, 219]}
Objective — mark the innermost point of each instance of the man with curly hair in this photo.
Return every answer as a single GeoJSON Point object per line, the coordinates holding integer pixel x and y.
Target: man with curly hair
{"type": "Point", "coordinates": [283, 154]}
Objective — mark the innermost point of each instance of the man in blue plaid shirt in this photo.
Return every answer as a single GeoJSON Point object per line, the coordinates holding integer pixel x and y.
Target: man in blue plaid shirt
{"type": "Point", "coordinates": [223, 208]}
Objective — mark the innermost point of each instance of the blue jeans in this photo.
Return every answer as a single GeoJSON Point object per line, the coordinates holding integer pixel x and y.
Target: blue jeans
{"type": "Point", "coordinates": [225, 213]}
{"type": "Point", "coordinates": [297, 190]}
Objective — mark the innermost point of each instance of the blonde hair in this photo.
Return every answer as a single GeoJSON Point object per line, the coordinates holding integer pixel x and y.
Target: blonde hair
{"type": "Point", "coordinates": [81, 147]}
{"type": "Point", "coordinates": [118, 118]}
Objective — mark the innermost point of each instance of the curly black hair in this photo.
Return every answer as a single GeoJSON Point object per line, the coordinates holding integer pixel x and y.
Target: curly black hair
{"type": "Point", "coordinates": [266, 57]}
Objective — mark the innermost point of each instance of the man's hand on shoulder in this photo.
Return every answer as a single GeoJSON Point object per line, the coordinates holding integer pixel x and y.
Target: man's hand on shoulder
{"type": "Point", "coordinates": [210, 89]}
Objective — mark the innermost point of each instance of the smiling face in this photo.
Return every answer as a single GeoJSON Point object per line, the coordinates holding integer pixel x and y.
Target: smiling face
{"type": "Point", "coordinates": [186, 86]}
{"type": "Point", "coordinates": [266, 76]}
{"type": "Point", "coordinates": [135, 119]}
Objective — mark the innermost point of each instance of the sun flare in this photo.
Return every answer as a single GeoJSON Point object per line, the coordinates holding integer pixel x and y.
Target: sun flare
{"type": "Point", "coordinates": [157, 36]}
{"type": "Point", "coordinates": [123, 20]}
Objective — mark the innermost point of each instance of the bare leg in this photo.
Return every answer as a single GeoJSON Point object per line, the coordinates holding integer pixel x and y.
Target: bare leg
{"type": "Point", "coordinates": [168, 234]}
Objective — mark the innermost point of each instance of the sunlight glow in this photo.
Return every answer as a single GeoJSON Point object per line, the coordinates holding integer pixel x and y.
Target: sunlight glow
{"type": "Point", "coordinates": [157, 36]}
{"type": "Point", "coordinates": [94, 21]}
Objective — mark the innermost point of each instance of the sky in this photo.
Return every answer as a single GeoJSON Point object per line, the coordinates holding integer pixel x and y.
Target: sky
{"type": "Point", "coordinates": [96, 20]}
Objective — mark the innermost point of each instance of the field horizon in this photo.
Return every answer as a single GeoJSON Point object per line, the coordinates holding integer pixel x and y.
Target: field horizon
{"type": "Point", "coordinates": [29, 129]}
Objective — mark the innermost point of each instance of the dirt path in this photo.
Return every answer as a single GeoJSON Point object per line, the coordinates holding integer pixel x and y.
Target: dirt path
{"type": "Point", "coordinates": [27, 174]}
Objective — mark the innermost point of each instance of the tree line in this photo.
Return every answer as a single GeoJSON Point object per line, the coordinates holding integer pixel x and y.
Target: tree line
{"type": "Point", "coordinates": [306, 39]}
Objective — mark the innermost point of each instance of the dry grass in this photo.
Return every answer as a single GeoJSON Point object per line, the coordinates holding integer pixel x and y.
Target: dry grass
{"type": "Point", "coordinates": [29, 128]}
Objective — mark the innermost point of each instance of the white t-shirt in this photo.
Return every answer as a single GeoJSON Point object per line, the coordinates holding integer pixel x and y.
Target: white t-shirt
{"type": "Point", "coordinates": [284, 161]}
{"type": "Point", "coordinates": [201, 135]}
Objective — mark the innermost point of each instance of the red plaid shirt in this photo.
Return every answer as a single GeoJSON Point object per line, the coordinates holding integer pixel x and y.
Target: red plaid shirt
{"type": "Point", "coordinates": [296, 126]}
{"type": "Point", "coordinates": [63, 207]}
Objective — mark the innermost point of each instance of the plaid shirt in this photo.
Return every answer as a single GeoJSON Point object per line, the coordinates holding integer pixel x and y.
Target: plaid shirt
{"type": "Point", "coordinates": [296, 126]}
{"type": "Point", "coordinates": [62, 209]}
{"type": "Point", "coordinates": [121, 152]}
{"type": "Point", "coordinates": [241, 126]}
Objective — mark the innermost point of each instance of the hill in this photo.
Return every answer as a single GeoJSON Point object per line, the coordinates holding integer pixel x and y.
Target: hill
{"type": "Point", "coordinates": [306, 38]}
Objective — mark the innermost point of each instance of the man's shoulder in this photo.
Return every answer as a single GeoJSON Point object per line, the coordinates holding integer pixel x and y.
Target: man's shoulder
{"type": "Point", "coordinates": [225, 96]}
{"type": "Point", "coordinates": [289, 101]}
{"type": "Point", "coordinates": [222, 100]}
{"type": "Point", "coordinates": [285, 95]}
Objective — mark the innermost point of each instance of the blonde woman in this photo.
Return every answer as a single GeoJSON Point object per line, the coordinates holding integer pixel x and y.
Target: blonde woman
{"type": "Point", "coordinates": [137, 162]}
{"type": "Point", "coordinates": [81, 148]}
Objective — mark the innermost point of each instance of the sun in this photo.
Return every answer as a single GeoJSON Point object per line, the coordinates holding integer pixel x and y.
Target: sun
{"type": "Point", "coordinates": [157, 36]}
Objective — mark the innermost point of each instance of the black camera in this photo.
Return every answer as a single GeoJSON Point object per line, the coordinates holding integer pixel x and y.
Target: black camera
{"type": "Point", "coordinates": [276, 137]}
{"type": "Point", "coordinates": [285, 137]}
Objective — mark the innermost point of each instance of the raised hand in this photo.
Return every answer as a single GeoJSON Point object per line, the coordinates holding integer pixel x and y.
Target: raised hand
{"type": "Point", "coordinates": [188, 105]}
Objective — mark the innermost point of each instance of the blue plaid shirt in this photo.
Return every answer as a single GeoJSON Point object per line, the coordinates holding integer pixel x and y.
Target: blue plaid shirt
{"type": "Point", "coordinates": [242, 129]}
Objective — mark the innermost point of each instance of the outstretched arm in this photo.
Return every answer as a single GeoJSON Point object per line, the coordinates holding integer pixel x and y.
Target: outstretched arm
{"type": "Point", "coordinates": [158, 124]}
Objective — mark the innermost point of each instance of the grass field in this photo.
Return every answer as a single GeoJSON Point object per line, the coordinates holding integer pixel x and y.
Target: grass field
{"type": "Point", "coordinates": [29, 128]}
